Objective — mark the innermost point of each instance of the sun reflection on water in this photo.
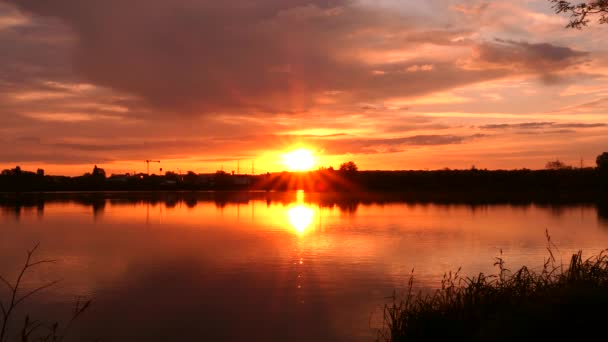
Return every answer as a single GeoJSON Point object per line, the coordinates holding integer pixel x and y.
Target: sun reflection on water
{"type": "Point", "coordinates": [300, 217]}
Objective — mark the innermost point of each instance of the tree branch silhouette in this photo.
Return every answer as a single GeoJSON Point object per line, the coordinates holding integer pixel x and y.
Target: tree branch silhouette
{"type": "Point", "coordinates": [581, 11]}
{"type": "Point", "coordinates": [15, 298]}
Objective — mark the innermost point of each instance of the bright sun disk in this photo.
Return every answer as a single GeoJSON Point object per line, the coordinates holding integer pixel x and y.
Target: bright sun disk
{"type": "Point", "coordinates": [299, 160]}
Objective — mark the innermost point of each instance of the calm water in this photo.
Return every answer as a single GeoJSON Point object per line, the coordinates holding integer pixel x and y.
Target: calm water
{"type": "Point", "coordinates": [258, 266]}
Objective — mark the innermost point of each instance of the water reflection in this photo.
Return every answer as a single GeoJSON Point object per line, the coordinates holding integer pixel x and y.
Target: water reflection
{"type": "Point", "coordinates": [301, 206]}
{"type": "Point", "coordinates": [300, 217]}
{"type": "Point", "coordinates": [264, 260]}
{"type": "Point", "coordinates": [602, 213]}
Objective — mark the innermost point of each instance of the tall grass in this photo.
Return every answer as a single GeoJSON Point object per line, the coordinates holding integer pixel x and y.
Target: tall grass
{"type": "Point", "coordinates": [559, 302]}
{"type": "Point", "coordinates": [32, 330]}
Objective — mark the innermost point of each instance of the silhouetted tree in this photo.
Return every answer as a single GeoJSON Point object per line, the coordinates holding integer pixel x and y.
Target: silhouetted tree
{"type": "Point", "coordinates": [557, 165]}
{"type": "Point", "coordinates": [99, 173]}
{"type": "Point", "coordinates": [221, 179]}
{"type": "Point", "coordinates": [602, 162]}
{"type": "Point", "coordinates": [40, 172]}
{"type": "Point", "coordinates": [191, 178]}
{"type": "Point", "coordinates": [349, 167]}
{"type": "Point", "coordinates": [580, 11]}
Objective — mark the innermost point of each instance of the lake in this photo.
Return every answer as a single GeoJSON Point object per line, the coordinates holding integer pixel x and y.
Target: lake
{"type": "Point", "coordinates": [263, 266]}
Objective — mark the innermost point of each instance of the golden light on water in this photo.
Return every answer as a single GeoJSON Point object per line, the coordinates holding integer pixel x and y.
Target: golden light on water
{"type": "Point", "coordinates": [299, 160]}
{"type": "Point", "coordinates": [300, 217]}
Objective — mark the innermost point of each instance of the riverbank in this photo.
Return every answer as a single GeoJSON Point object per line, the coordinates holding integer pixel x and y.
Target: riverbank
{"type": "Point", "coordinates": [473, 185]}
{"type": "Point", "coordinates": [559, 302]}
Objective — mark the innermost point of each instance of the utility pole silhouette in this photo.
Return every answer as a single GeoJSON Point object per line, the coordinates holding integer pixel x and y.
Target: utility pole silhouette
{"type": "Point", "coordinates": [148, 164]}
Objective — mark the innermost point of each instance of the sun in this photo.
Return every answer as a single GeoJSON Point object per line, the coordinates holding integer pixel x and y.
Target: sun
{"type": "Point", "coordinates": [299, 160]}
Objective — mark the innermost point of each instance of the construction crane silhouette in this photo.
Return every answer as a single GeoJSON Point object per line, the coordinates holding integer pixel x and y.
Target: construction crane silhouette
{"type": "Point", "coordinates": [148, 164]}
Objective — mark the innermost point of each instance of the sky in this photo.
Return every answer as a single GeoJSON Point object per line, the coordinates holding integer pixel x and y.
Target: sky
{"type": "Point", "coordinates": [388, 84]}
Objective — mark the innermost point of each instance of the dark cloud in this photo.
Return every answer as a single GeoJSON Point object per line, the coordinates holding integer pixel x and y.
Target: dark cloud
{"type": "Point", "coordinates": [524, 125]}
{"type": "Point", "coordinates": [561, 131]}
{"type": "Point", "coordinates": [579, 125]}
{"type": "Point", "coordinates": [401, 128]}
{"type": "Point", "coordinates": [542, 125]}
{"type": "Point", "coordinates": [371, 146]}
{"type": "Point", "coordinates": [30, 150]}
{"type": "Point", "coordinates": [270, 56]}
{"type": "Point", "coordinates": [168, 148]}
{"type": "Point", "coordinates": [55, 157]}
{"type": "Point", "coordinates": [32, 51]}
{"type": "Point", "coordinates": [600, 104]}
{"type": "Point", "coordinates": [207, 55]}
{"type": "Point", "coordinates": [550, 132]}
{"type": "Point", "coordinates": [543, 58]}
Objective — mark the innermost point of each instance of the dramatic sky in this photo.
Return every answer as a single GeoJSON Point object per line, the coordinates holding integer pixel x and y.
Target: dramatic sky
{"type": "Point", "coordinates": [389, 84]}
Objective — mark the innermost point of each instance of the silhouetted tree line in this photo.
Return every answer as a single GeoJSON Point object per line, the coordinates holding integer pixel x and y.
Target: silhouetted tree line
{"type": "Point", "coordinates": [557, 182]}
{"type": "Point", "coordinates": [17, 180]}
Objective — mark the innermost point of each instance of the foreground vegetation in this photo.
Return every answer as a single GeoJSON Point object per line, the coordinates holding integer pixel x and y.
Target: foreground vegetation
{"type": "Point", "coordinates": [555, 303]}
{"type": "Point", "coordinates": [31, 330]}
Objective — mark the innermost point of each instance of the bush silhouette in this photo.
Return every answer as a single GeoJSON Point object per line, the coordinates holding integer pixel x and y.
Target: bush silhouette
{"type": "Point", "coordinates": [602, 162]}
